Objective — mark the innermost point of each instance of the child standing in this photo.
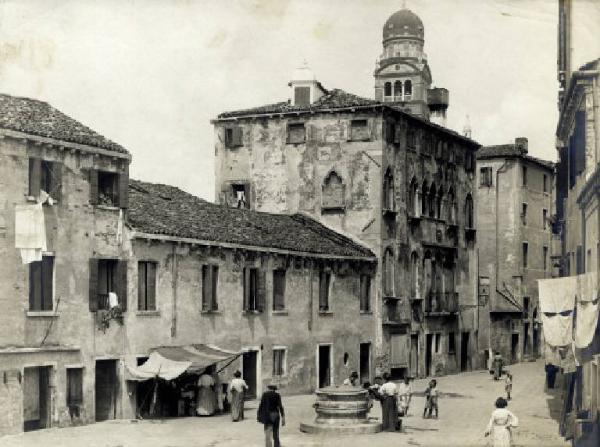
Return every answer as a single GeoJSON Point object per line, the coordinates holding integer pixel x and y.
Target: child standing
{"type": "Point", "coordinates": [431, 400]}
{"type": "Point", "coordinates": [508, 385]}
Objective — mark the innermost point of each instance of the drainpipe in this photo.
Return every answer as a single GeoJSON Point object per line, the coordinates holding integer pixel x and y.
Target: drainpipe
{"type": "Point", "coordinates": [174, 274]}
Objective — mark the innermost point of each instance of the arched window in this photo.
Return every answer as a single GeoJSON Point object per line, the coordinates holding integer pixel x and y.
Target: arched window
{"type": "Point", "coordinates": [388, 190]}
{"type": "Point", "coordinates": [388, 272]}
{"type": "Point", "coordinates": [398, 90]}
{"type": "Point", "coordinates": [333, 192]}
{"type": "Point", "coordinates": [424, 199]}
{"type": "Point", "coordinates": [387, 89]}
{"type": "Point", "coordinates": [415, 293]}
{"type": "Point", "coordinates": [431, 200]}
{"type": "Point", "coordinates": [427, 276]}
{"type": "Point", "coordinates": [439, 204]}
{"type": "Point", "coordinates": [414, 205]}
{"type": "Point", "coordinates": [407, 90]}
{"type": "Point", "coordinates": [451, 205]}
{"type": "Point", "coordinates": [469, 222]}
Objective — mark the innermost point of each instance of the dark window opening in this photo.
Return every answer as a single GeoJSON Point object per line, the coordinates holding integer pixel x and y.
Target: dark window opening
{"type": "Point", "coordinates": [387, 89]}
{"type": "Point", "coordinates": [485, 176]}
{"type": "Point", "coordinates": [365, 293]}
{"type": "Point", "coordinates": [41, 284]}
{"type": "Point", "coordinates": [451, 343]}
{"type": "Point", "coordinates": [254, 289]}
{"type": "Point", "coordinates": [233, 136]}
{"type": "Point", "coordinates": [278, 362]}
{"type": "Point", "coordinates": [524, 213]}
{"type": "Point", "coordinates": [146, 285]}
{"type": "Point", "coordinates": [545, 219]}
{"type": "Point", "coordinates": [398, 90]}
{"type": "Point", "coordinates": [279, 289]}
{"type": "Point", "coordinates": [107, 189]}
{"type": "Point", "coordinates": [74, 390]}
{"type": "Point", "coordinates": [359, 130]}
{"type": "Point", "coordinates": [545, 183]}
{"type": "Point", "coordinates": [524, 175]}
{"type": "Point", "coordinates": [469, 161]}
{"type": "Point", "coordinates": [411, 138]}
{"type": "Point", "coordinates": [525, 306]}
{"type": "Point", "coordinates": [388, 272]}
{"type": "Point", "coordinates": [240, 193]}
{"type": "Point", "coordinates": [407, 89]}
{"type": "Point", "coordinates": [388, 191]}
{"type": "Point", "coordinates": [45, 176]}
{"type": "Point", "coordinates": [296, 133]}
{"type": "Point", "coordinates": [108, 284]}
{"type": "Point", "coordinates": [107, 279]}
{"type": "Point", "coordinates": [469, 220]}
{"type": "Point", "coordinates": [545, 257]}
{"type": "Point", "coordinates": [210, 282]}
{"type": "Point", "coordinates": [525, 253]}
{"type": "Point", "coordinates": [324, 285]}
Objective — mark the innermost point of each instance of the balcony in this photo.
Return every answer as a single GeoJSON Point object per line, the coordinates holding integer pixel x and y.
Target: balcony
{"type": "Point", "coordinates": [394, 315]}
{"type": "Point", "coordinates": [441, 303]}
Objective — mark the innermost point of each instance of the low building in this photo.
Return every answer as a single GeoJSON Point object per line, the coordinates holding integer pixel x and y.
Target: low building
{"type": "Point", "coordinates": [515, 198]}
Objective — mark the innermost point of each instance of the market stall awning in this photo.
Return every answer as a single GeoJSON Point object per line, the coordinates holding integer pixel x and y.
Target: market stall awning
{"type": "Point", "coordinates": [169, 362]}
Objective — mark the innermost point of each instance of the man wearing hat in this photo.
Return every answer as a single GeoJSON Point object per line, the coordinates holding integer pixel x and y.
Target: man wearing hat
{"type": "Point", "coordinates": [270, 412]}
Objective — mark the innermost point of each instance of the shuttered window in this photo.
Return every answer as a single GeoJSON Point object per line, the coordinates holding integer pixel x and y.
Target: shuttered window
{"type": "Point", "coordinates": [146, 285]}
{"type": "Point", "coordinates": [279, 289]}
{"type": "Point", "coordinates": [324, 283]}
{"type": "Point", "coordinates": [210, 282]}
{"type": "Point", "coordinates": [41, 275]}
{"type": "Point", "coordinates": [254, 289]}
{"type": "Point", "coordinates": [74, 387]}
{"type": "Point", "coordinates": [301, 96]}
{"type": "Point", "coordinates": [365, 293]}
{"type": "Point", "coordinates": [279, 362]}
{"type": "Point", "coordinates": [233, 136]}
{"type": "Point", "coordinates": [109, 188]}
{"type": "Point", "coordinates": [45, 176]}
{"type": "Point", "coordinates": [485, 176]}
{"type": "Point", "coordinates": [106, 276]}
{"type": "Point", "coordinates": [579, 142]}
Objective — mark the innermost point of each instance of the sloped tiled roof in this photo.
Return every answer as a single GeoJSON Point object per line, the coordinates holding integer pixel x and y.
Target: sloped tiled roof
{"type": "Point", "coordinates": [334, 99]}
{"type": "Point", "coordinates": [510, 151]}
{"type": "Point", "coordinates": [39, 118]}
{"type": "Point", "coordinates": [167, 210]}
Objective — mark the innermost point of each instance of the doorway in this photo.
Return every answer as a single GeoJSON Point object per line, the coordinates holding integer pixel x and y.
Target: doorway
{"type": "Point", "coordinates": [107, 387]}
{"type": "Point", "coordinates": [324, 365]}
{"type": "Point", "coordinates": [514, 348]}
{"type": "Point", "coordinates": [526, 347]}
{"type": "Point", "coordinates": [414, 355]}
{"type": "Point", "coordinates": [365, 362]}
{"type": "Point", "coordinates": [36, 398]}
{"type": "Point", "coordinates": [250, 373]}
{"type": "Point", "coordinates": [536, 341]}
{"type": "Point", "coordinates": [428, 347]}
{"type": "Point", "coordinates": [464, 351]}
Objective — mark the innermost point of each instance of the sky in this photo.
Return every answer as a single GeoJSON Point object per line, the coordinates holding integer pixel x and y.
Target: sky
{"type": "Point", "coordinates": [150, 74]}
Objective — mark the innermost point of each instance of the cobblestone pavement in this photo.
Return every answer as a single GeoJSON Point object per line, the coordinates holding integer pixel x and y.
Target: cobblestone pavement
{"type": "Point", "coordinates": [466, 403]}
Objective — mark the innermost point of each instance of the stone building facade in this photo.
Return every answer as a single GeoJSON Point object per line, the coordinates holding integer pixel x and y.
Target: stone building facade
{"type": "Point", "coordinates": [515, 198]}
{"type": "Point", "coordinates": [183, 271]}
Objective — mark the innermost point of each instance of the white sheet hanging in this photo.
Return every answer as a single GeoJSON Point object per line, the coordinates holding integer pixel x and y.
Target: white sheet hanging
{"type": "Point", "coordinates": [587, 310]}
{"type": "Point", "coordinates": [557, 302]}
{"type": "Point", "coordinates": [30, 232]}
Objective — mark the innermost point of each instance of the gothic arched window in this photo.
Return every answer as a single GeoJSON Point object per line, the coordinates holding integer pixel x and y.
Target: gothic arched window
{"type": "Point", "coordinates": [414, 276]}
{"type": "Point", "coordinates": [439, 204]}
{"type": "Point", "coordinates": [413, 198]}
{"type": "Point", "coordinates": [407, 89]}
{"type": "Point", "coordinates": [398, 90]}
{"type": "Point", "coordinates": [451, 214]}
{"type": "Point", "coordinates": [469, 221]}
{"type": "Point", "coordinates": [424, 199]}
{"type": "Point", "coordinates": [333, 192]}
{"type": "Point", "coordinates": [387, 89]}
{"type": "Point", "coordinates": [432, 200]}
{"type": "Point", "coordinates": [388, 190]}
{"type": "Point", "coordinates": [388, 272]}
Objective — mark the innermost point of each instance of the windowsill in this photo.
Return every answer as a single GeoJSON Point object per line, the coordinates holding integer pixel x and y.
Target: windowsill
{"type": "Point", "coordinates": [279, 312]}
{"type": "Point", "coordinates": [33, 199]}
{"type": "Point", "coordinates": [252, 312]}
{"type": "Point", "coordinates": [148, 313]}
{"type": "Point", "coordinates": [366, 312]}
{"type": "Point", "coordinates": [211, 312]}
{"type": "Point", "coordinates": [42, 313]}
{"type": "Point", "coordinates": [107, 207]}
{"type": "Point", "coordinates": [355, 140]}
{"type": "Point", "coordinates": [325, 313]}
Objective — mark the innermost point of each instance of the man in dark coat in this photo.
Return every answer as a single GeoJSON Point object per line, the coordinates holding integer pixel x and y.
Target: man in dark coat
{"type": "Point", "coordinates": [270, 413]}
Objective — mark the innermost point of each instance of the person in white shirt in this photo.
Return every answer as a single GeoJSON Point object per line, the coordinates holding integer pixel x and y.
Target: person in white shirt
{"type": "Point", "coordinates": [235, 391]}
{"type": "Point", "coordinates": [389, 404]}
{"type": "Point", "coordinates": [404, 395]}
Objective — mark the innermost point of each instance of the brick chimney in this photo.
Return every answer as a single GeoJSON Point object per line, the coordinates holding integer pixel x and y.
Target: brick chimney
{"type": "Point", "coordinates": [522, 144]}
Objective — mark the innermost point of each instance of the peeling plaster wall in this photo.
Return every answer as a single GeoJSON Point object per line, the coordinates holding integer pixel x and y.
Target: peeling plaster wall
{"type": "Point", "coordinates": [75, 232]}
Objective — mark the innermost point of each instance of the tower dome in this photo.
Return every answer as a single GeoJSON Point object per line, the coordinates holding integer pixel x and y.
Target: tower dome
{"type": "Point", "coordinates": [403, 23]}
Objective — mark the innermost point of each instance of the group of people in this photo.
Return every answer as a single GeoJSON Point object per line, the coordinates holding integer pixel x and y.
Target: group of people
{"type": "Point", "coordinates": [211, 397]}
{"type": "Point", "coordinates": [395, 399]}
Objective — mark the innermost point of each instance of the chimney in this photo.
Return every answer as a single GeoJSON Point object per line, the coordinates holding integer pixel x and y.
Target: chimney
{"type": "Point", "coordinates": [437, 101]}
{"type": "Point", "coordinates": [522, 144]}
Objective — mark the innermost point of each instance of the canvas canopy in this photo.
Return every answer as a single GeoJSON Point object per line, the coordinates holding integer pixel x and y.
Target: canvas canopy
{"type": "Point", "coordinates": [169, 362]}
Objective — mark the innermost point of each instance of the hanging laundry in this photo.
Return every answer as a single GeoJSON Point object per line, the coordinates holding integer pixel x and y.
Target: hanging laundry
{"type": "Point", "coordinates": [113, 300]}
{"type": "Point", "coordinates": [30, 232]}
{"type": "Point", "coordinates": [557, 302]}
{"type": "Point", "coordinates": [587, 309]}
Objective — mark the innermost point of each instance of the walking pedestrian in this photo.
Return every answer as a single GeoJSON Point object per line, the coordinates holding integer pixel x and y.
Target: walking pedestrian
{"type": "Point", "coordinates": [497, 365]}
{"type": "Point", "coordinates": [237, 388]}
{"type": "Point", "coordinates": [389, 404]}
{"type": "Point", "coordinates": [207, 398]}
{"type": "Point", "coordinates": [405, 395]}
{"type": "Point", "coordinates": [508, 383]}
{"type": "Point", "coordinates": [500, 425]}
{"type": "Point", "coordinates": [431, 400]}
{"type": "Point", "coordinates": [270, 414]}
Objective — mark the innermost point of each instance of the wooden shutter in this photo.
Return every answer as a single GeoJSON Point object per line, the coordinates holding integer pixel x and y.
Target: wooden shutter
{"type": "Point", "coordinates": [278, 289]}
{"type": "Point", "coordinates": [93, 187]}
{"type": "Point", "coordinates": [579, 135]}
{"type": "Point", "coordinates": [151, 285]}
{"type": "Point", "coordinates": [399, 350]}
{"type": "Point", "coordinates": [237, 136]}
{"type": "Point", "coordinates": [35, 286]}
{"type": "Point", "coordinates": [46, 278]}
{"type": "Point", "coordinates": [324, 291]}
{"type": "Point", "coordinates": [206, 287]}
{"type": "Point", "coordinates": [142, 279]}
{"type": "Point", "coordinates": [579, 269]}
{"type": "Point", "coordinates": [261, 292]}
{"type": "Point", "coordinates": [121, 287]}
{"type": "Point", "coordinates": [389, 132]}
{"type": "Point", "coordinates": [35, 176]}
{"type": "Point", "coordinates": [93, 289]}
{"type": "Point", "coordinates": [124, 189]}
{"type": "Point", "coordinates": [246, 287]}
{"type": "Point", "coordinates": [215, 287]}
{"type": "Point", "coordinates": [56, 181]}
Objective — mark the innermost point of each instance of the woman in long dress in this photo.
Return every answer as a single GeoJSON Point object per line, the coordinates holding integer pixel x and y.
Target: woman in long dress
{"type": "Point", "coordinates": [207, 398]}
{"type": "Point", "coordinates": [501, 422]}
{"type": "Point", "coordinates": [236, 390]}
{"type": "Point", "coordinates": [389, 404]}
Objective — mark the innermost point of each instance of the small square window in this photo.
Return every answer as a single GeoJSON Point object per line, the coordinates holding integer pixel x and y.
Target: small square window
{"type": "Point", "coordinates": [485, 176]}
{"type": "Point", "coordinates": [233, 136]}
{"type": "Point", "coordinates": [296, 133]}
{"type": "Point", "coordinates": [359, 130]}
